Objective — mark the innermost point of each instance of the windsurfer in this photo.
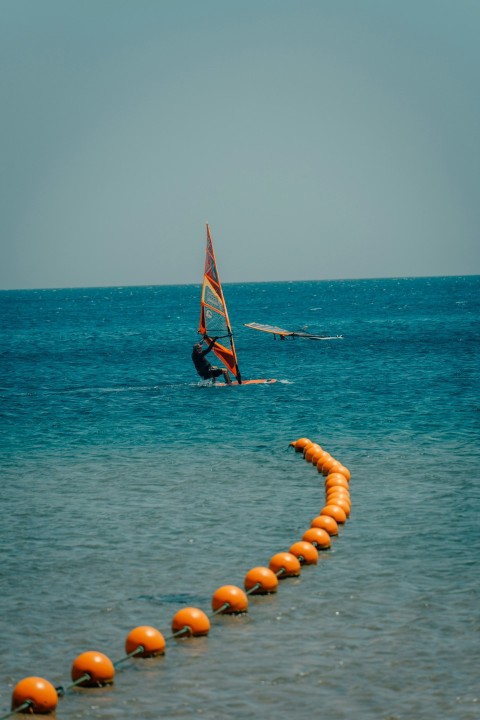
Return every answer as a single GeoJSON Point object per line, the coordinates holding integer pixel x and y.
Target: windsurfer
{"type": "Point", "coordinates": [205, 369]}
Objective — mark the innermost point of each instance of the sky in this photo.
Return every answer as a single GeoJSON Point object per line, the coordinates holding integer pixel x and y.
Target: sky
{"type": "Point", "coordinates": [320, 140]}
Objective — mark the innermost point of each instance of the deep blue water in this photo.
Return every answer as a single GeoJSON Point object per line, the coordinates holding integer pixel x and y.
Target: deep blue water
{"type": "Point", "coordinates": [129, 490]}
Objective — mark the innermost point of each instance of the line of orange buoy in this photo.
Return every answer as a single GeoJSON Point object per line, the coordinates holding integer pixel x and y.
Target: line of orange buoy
{"type": "Point", "coordinates": [94, 669]}
{"type": "Point", "coordinates": [337, 493]}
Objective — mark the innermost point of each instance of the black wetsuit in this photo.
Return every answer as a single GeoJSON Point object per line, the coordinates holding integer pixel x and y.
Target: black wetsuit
{"type": "Point", "coordinates": [203, 367]}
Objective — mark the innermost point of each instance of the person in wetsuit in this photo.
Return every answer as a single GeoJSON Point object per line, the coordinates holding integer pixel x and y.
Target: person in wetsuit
{"type": "Point", "coordinates": [202, 365]}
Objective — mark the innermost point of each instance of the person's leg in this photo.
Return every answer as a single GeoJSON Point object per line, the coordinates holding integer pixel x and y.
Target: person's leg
{"type": "Point", "coordinates": [227, 377]}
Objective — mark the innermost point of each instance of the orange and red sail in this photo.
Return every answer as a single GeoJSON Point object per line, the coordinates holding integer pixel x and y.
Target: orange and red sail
{"type": "Point", "coordinates": [214, 320]}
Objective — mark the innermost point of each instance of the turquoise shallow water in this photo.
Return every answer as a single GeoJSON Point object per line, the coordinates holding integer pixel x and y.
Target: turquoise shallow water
{"type": "Point", "coordinates": [128, 491]}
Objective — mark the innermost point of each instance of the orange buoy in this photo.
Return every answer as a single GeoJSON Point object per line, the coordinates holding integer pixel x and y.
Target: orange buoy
{"type": "Point", "coordinates": [334, 492]}
{"type": "Point", "coordinates": [338, 492]}
{"type": "Point", "coordinates": [284, 564]}
{"type": "Point", "coordinates": [318, 537]}
{"type": "Point", "coordinates": [305, 552]}
{"type": "Point", "coordinates": [328, 464]}
{"type": "Point", "coordinates": [146, 637]}
{"type": "Point", "coordinates": [310, 451]}
{"type": "Point", "coordinates": [325, 522]}
{"type": "Point", "coordinates": [315, 458]}
{"type": "Point", "coordinates": [96, 665]}
{"type": "Point", "coordinates": [264, 578]}
{"type": "Point", "coordinates": [339, 489]}
{"type": "Point", "coordinates": [343, 471]}
{"type": "Point", "coordinates": [336, 481]}
{"type": "Point", "coordinates": [331, 497]}
{"type": "Point", "coordinates": [40, 693]}
{"type": "Point", "coordinates": [334, 511]}
{"type": "Point", "coordinates": [300, 444]}
{"type": "Point", "coordinates": [324, 455]}
{"type": "Point", "coordinates": [337, 474]}
{"type": "Point", "coordinates": [191, 621]}
{"type": "Point", "coordinates": [232, 597]}
{"type": "Point", "coordinates": [334, 466]}
{"type": "Point", "coordinates": [341, 502]}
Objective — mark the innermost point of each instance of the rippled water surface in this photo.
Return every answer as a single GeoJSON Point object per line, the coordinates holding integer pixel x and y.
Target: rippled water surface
{"type": "Point", "coordinates": [129, 491]}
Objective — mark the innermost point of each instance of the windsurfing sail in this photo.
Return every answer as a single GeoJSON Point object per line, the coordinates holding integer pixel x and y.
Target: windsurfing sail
{"type": "Point", "coordinates": [275, 330]}
{"type": "Point", "coordinates": [214, 321]}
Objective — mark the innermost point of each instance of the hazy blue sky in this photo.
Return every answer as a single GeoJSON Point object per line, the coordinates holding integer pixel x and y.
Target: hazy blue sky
{"type": "Point", "coordinates": [320, 139]}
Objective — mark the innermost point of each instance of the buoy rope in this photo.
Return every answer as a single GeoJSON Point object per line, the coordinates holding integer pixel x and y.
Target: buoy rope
{"type": "Point", "coordinates": [219, 610]}
{"type": "Point", "coordinates": [61, 690]}
{"type": "Point", "coordinates": [25, 706]}
{"type": "Point", "coordinates": [183, 631]}
{"type": "Point", "coordinates": [137, 651]}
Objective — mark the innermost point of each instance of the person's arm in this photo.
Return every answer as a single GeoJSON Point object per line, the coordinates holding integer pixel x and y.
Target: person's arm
{"type": "Point", "coordinates": [207, 350]}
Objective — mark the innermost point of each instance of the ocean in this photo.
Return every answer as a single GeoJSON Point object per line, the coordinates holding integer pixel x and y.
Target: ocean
{"type": "Point", "coordinates": [130, 490]}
